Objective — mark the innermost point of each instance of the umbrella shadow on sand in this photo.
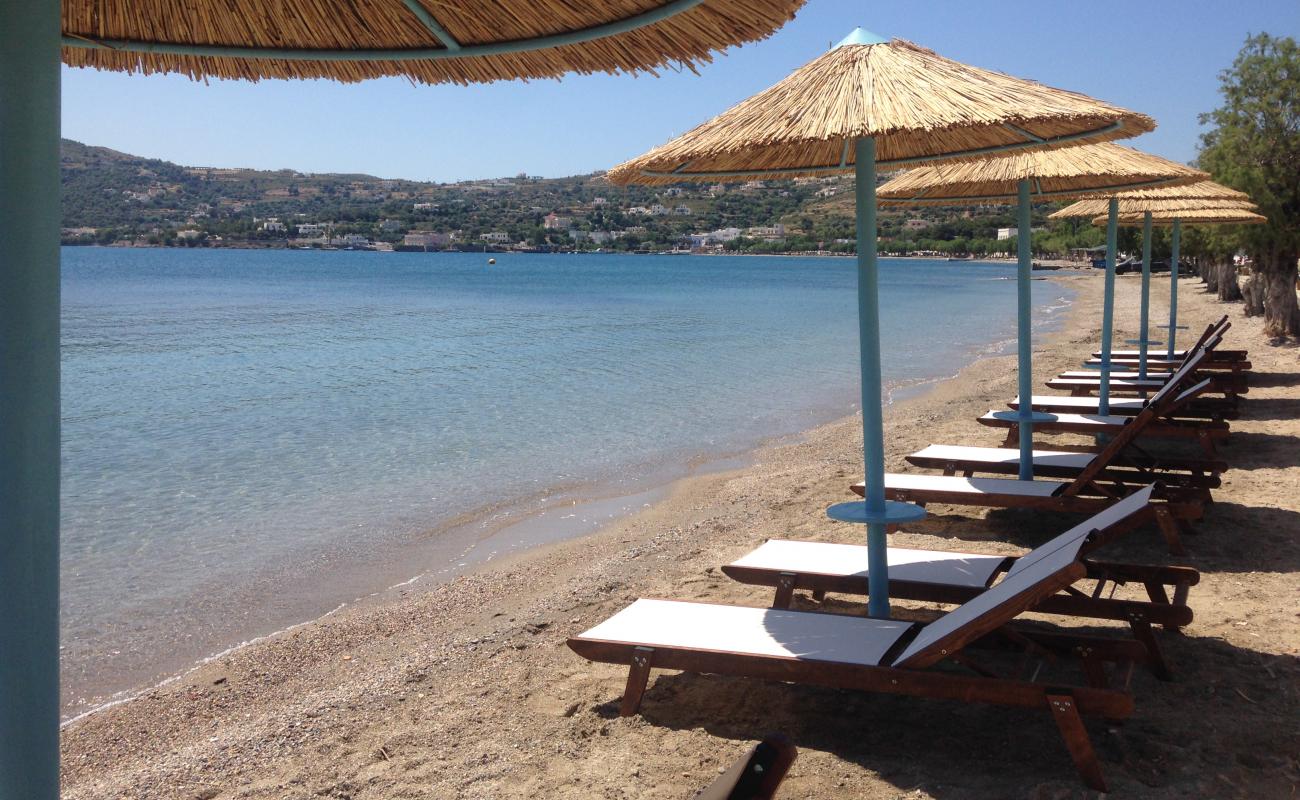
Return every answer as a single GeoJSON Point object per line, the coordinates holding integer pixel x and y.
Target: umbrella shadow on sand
{"type": "Point", "coordinates": [1221, 729]}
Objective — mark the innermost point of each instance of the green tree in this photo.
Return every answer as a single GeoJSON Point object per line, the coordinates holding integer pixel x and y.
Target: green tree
{"type": "Point", "coordinates": [1255, 147]}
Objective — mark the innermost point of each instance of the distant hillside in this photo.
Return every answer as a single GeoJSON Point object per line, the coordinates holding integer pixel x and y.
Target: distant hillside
{"type": "Point", "coordinates": [113, 197]}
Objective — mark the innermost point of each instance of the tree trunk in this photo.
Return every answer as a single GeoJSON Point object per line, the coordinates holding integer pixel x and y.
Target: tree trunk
{"type": "Point", "coordinates": [1281, 312]}
{"type": "Point", "coordinates": [1210, 275]}
{"type": "Point", "coordinates": [1229, 289]}
{"type": "Point", "coordinates": [1253, 295]}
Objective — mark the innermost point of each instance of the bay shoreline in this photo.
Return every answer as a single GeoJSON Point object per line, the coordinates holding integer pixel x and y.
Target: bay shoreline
{"type": "Point", "coordinates": [466, 690]}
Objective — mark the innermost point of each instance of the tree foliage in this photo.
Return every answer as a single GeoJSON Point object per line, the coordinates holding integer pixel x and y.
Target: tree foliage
{"type": "Point", "coordinates": [1254, 146]}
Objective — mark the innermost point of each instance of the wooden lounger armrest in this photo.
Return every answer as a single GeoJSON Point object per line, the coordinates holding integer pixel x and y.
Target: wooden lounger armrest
{"type": "Point", "coordinates": [1142, 573]}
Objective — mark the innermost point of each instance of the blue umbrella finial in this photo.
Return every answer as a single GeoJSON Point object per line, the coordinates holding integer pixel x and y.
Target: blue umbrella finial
{"type": "Point", "coordinates": [861, 36]}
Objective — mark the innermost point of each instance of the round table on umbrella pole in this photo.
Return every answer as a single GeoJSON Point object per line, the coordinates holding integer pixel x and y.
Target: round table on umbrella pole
{"type": "Point", "coordinates": [874, 510]}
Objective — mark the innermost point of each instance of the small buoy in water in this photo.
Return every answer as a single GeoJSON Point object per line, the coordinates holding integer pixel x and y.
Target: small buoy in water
{"type": "Point", "coordinates": [492, 261]}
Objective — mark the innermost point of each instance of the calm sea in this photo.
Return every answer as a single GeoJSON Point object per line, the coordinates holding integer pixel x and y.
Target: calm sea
{"type": "Point", "coordinates": [253, 437]}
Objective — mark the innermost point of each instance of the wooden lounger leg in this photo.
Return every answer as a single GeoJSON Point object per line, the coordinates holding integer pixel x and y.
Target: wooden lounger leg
{"type": "Point", "coordinates": [784, 590]}
{"type": "Point", "coordinates": [1207, 444]}
{"type": "Point", "coordinates": [819, 595]}
{"type": "Point", "coordinates": [1155, 658]}
{"type": "Point", "coordinates": [1169, 529]}
{"type": "Point", "coordinates": [1093, 668]}
{"type": "Point", "coordinates": [1076, 739]}
{"type": "Point", "coordinates": [638, 677]}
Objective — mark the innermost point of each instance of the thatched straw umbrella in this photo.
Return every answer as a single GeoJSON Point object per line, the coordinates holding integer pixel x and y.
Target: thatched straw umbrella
{"type": "Point", "coordinates": [1205, 216]}
{"type": "Point", "coordinates": [423, 40]}
{"type": "Point", "coordinates": [1019, 178]}
{"type": "Point", "coordinates": [868, 103]}
{"type": "Point", "coordinates": [347, 40]}
{"type": "Point", "coordinates": [1196, 196]}
{"type": "Point", "coordinates": [1219, 213]}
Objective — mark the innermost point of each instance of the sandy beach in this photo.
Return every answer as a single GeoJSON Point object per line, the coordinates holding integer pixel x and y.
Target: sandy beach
{"type": "Point", "coordinates": [467, 690]}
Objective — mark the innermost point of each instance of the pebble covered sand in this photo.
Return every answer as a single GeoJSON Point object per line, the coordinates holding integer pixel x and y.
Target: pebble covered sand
{"type": "Point", "coordinates": [467, 690]}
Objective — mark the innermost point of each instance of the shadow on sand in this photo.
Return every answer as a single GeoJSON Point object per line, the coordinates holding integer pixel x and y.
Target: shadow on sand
{"type": "Point", "coordinates": [1222, 729]}
{"type": "Point", "coordinates": [1230, 538]}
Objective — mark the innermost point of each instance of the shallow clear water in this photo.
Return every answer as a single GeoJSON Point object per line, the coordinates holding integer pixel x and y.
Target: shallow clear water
{"type": "Point", "coordinates": [245, 430]}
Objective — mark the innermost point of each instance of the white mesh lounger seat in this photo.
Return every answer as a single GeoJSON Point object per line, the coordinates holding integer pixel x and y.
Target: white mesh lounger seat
{"type": "Point", "coordinates": [1130, 385]}
{"type": "Point", "coordinates": [1119, 406]}
{"type": "Point", "coordinates": [936, 567]}
{"type": "Point", "coordinates": [878, 655]}
{"type": "Point", "coordinates": [1120, 467]}
{"type": "Point", "coordinates": [1152, 375]}
{"type": "Point", "coordinates": [1099, 422]}
{"type": "Point", "coordinates": [900, 483]}
{"type": "Point", "coordinates": [777, 633]}
{"type": "Point", "coordinates": [1062, 460]}
{"type": "Point", "coordinates": [1206, 432]}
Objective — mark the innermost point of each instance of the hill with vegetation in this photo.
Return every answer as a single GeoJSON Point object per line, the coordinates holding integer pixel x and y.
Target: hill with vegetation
{"type": "Point", "coordinates": [116, 198]}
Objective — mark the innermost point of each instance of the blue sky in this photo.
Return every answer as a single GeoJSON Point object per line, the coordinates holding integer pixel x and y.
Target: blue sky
{"type": "Point", "coordinates": [1160, 57]}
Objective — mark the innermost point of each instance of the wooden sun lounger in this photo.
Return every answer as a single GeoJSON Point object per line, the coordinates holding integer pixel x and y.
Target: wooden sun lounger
{"type": "Point", "coordinates": [1094, 485]}
{"type": "Point", "coordinates": [1192, 473]}
{"type": "Point", "coordinates": [1080, 496]}
{"type": "Point", "coordinates": [1211, 365]}
{"type": "Point", "coordinates": [1207, 433]}
{"type": "Point", "coordinates": [1121, 460]}
{"type": "Point", "coordinates": [1084, 383]}
{"type": "Point", "coordinates": [1216, 360]}
{"type": "Point", "coordinates": [1185, 404]}
{"type": "Point", "coordinates": [939, 576]}
{"type": "Point", "coordinates": [932, 660]}
{"type": "Point", "coordinates": [1087, 386]}
{"type": "Point", "coordinates": [1202, 409]}
{"type": "Point", "coordinates": [755, 776]}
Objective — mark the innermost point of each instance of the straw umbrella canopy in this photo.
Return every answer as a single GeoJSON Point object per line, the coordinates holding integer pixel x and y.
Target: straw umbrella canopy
{"type": "Point", "coordinates": [1204, 216]}
{"type": "Point", "coordinates": [1177, 204]}
{"type": "Point", "coordinates": [916, 106]}
{"type": "Point", "coordinates": [1019, 178]}
{"type": "Point", "coordinates": [423, 40]}
{"type": "Point", "coordinates": [866, 103]}
{"type": "Point", "coordinates": [347, 40]}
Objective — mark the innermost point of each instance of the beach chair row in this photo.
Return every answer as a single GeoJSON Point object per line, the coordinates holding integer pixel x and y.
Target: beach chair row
{"type": "Point", "coordinates": [979, 651]}
{"type": "Point", "coordinates": [1086, 479]}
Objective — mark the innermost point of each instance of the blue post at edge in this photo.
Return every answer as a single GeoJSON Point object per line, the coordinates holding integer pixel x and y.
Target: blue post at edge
{"type": "Point", "coordinates": [1108, 304]}
{"type": "Point", "coordinates": [29, 400]}
{"type": "Point", "coordinates": [1024, 335]}
{"type": "Point", "coordinates": [1173, 284]}
{"type": "Point", "coordinates": [873, 425]}
{"type": "Point", "coordinates": [1145, 310]}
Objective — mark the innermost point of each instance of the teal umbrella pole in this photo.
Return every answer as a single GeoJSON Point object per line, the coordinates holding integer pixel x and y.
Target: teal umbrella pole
{"type": "Point", "coordinates": [1025, 416]}
{"type": "Point", "coordinates": [1174, 242]}
{"type": "Point", "coordinates": [1144, 319]}
{"type": "Point", "coordinates": [1108, 304]}
{"type": "Point", "coordinates": [29, 400]}
{"type": "Point", "coordinates": [875, 511]}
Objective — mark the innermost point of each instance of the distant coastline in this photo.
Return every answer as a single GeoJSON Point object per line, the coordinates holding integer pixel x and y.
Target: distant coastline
{"type": "Point", "coordinates": [1045, 264]}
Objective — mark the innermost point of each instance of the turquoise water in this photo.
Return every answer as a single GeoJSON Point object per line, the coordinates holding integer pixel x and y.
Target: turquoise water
{"type": "Point", "coordinates": [252, 437]}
